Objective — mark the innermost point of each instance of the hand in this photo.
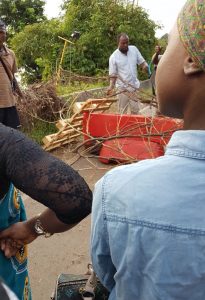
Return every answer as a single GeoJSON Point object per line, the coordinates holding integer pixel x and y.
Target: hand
{"type": "Point", "coordinates": [19, 232]}
{"type": "Point", "coordinates": [110, 91]}
{"type": "Point", "coordinates": [9, 247]}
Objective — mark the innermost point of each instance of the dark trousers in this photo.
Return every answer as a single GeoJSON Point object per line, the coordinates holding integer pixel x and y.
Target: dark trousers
{"type": "Point", "coordinates": [9, 117]}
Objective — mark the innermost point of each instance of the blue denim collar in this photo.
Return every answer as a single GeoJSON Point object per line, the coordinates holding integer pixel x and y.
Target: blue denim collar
{"type": "Point", "coordinates": [187, 143]}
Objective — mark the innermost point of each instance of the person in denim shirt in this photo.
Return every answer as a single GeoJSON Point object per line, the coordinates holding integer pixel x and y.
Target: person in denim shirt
{"type": "Point", "coordinates": [148, 218]}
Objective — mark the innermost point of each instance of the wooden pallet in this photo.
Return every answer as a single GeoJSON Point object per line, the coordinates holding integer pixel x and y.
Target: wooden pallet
{"type": "Point", "coordinates": [70, 129]}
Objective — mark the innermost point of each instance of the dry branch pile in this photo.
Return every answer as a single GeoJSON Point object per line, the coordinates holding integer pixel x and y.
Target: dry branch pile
{"type": "Point", "coordinates": [40, 102]}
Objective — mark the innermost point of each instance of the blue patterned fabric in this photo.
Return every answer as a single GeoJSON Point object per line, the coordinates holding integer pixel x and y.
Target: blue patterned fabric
{"type": "Point", "coordinates": [14, 270]}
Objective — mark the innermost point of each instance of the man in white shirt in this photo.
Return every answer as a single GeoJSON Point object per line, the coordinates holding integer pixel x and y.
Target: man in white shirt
{"type": "Point", "coordinates": [123, 74]}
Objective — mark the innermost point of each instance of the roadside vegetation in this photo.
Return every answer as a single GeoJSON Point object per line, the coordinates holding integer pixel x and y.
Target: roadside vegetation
{"type": "Point", "coordinates": [37, 44]}
{"type": "Point", "coordinates": [45, 104]}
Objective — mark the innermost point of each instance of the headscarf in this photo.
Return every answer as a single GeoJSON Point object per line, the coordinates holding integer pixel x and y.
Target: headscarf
{"type": "Point", "coordinates": [191, 26]}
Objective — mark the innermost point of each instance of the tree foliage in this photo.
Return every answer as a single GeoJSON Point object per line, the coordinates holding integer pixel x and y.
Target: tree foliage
{"type": "Point", "coordinates": [19, 13]}
{"type": "Point", "coordinates": [99, 22]}
{"type": "Point", "coordinates": [163, 41]}
{"type": "Point", "coordinates": [37, 49]}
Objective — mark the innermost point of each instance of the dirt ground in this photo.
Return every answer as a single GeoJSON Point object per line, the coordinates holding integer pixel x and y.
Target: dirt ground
{"type": "Point", "coordinates": [65, 252]}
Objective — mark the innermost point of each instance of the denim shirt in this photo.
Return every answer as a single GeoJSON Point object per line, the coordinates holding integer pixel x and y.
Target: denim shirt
{"type": "Point", "coordinates": [148, 225]}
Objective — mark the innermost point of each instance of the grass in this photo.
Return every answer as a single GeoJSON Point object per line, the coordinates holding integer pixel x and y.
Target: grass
{"type": "Point", "coordinates": [38, 130]}
{"type": "Point", "coordinates": [78, 86]}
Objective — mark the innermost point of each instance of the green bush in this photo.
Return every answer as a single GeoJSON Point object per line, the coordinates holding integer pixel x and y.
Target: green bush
{"type": "Point", "coordinates": [39, 130]}
{"type": "Point", "coordinates": [38, 47]}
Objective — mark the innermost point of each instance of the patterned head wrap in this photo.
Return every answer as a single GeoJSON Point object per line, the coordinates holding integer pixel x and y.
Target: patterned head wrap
{"type": "Point", "coordinates": [191, 26]}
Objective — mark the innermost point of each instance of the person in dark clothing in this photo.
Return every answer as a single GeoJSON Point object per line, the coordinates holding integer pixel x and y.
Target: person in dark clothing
{"type": "Point", "coordinates": [25, 166]}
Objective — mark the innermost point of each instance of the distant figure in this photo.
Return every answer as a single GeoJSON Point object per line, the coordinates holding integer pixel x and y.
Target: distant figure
{"type": "Point", "coordinates": [123, 74]}
{"type": "Point", "coordinates": [8, 67]}
{"type": "Point", "coordinates": [155, 60]}
{"type": "Point", "coordinates": [157, 56]}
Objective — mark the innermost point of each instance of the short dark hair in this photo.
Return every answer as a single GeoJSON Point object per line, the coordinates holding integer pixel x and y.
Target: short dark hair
{"type": "Point", "coordinates": [122, 34]}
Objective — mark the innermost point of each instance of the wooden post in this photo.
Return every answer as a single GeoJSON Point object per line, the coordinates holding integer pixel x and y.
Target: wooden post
{"type": "Point", "coordinates": [62, 56]}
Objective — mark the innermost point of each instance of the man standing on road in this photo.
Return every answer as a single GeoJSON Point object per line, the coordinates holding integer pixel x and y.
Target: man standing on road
{"type": "Point", "coordinates": [123, 74]}
{"type": "Point", "coordinates": [8, 112]}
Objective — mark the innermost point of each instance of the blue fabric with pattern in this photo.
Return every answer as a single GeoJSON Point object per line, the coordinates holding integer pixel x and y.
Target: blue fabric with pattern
{"type": "Point", "coordinates": [14, 270]}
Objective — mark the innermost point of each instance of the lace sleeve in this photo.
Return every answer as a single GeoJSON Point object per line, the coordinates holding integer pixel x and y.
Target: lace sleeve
{"type": "Point", "coordinates": [43, 177]}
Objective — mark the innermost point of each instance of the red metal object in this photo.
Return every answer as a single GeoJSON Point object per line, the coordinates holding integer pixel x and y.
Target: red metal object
{"type": "Point", "coordinates": [156, 129]}
{"type": "Point", "coordinates": [129, 136]}
{"type": "Point", "coordinates": [128, 149]}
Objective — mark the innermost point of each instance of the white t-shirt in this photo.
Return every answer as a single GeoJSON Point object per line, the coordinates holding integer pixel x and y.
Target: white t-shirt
{"type": "Point", "coordinates": [125, 66]}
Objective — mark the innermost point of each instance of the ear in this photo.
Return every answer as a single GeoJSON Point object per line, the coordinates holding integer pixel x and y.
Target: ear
{"type": "Point", "coordinates": [190, 67]}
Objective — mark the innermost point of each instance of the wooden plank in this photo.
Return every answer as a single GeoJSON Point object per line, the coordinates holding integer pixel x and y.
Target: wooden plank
{"type": "Point", "coordinates": [61, 123]}
{"type": "Point", "coordinates": [64, 125]}
{"type": "Point", "coordinates": [96, 101]}
{"type": "Point", "coordinates": [47, 139]}
{"type": "Point", "coordinates": [73, 119]}
{"type": "Point", "coordinates": [60, 143]}
{"type": "Point", "coordinates": [90, 105]}
{"type": "Point", "coordinates": [96, 109]}
{"type": "Point", "coordinates": [75, 125]}
{"type": "Point", "coordinates": [65, 138]}
{"type": "Point", "coordinates": [59, 135]}
{"type": "Point", "coordinates": [53, 135]}
{"type": "Point", "coordinates": [78, 106]}
{"type": "Point", "coordinates": [56, 136]}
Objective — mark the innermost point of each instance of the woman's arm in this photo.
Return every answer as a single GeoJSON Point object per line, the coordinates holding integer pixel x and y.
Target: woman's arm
{"type": "Point", "coordinates": [46, 179]}
{"type": "Point", "coordinates": [22, 233]}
